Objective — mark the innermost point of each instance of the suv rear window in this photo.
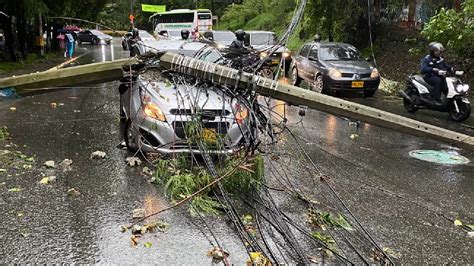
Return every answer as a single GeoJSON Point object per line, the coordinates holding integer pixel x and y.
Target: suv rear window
{"type": "Point", "coordinates": [263, 38]}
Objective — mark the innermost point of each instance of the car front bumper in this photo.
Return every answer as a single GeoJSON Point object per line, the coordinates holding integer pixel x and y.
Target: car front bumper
{"type": "Point", "coordinates": [168, 138]}
{"type": "Point", "coordinates": [346, 84]}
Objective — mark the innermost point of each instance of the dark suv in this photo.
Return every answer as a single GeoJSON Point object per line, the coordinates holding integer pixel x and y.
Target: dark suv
{"type": "Point", "coordinates": [264, 41]}
{"type": "Point", "coordinates": [333, 67]}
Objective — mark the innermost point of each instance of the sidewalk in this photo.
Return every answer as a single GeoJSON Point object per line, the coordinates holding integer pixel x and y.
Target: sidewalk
{"type": "Point", "coordinates": [35, 64]}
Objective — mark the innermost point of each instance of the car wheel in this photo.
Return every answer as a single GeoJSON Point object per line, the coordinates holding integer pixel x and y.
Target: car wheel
{"type": "Point", "coordinates": [296, 80]}
{"type": "Point", "coordinates": [369, 93]}
{"type": "Point", "coordinates": [95, 41]}
{"type": "Point", "coordinates": [266, 72]}
{"type": "Point", "coordinates": [318, 85]}
{"type": "Point", "coordinates": [79, 41]}
{"type": "Point", "coordinates": [130, 136]}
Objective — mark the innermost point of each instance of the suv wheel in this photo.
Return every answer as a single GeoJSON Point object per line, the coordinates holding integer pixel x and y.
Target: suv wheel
{"type": "Point", "coordinates": [95, 41]}
{"type": "Point", "coordinates": [296, 80]}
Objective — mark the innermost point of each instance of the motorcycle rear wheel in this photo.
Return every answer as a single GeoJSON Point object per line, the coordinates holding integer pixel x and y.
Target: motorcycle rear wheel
{"type": "Point", "coordinates": [409, 106]}
{"type": "Point", "coordinates": [464, 111]}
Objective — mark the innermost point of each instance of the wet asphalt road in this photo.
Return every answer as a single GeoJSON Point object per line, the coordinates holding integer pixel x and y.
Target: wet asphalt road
{"type": "Point", "coordinates": [400, 200]}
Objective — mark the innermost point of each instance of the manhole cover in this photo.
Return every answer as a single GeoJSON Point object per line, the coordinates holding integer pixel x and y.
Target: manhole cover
{"type": "Point", "coordinates": [442, 157]}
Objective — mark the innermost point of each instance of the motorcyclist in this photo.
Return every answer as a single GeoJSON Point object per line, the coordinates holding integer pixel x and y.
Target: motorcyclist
{"type": "Point", "coordinates": [132, 42]}
{"type": "Point", "coordinates": [185, 35]}
{"type": "Point", "coordinates": [433, 68]}
{"type": "Point", "coordinates": [317, 38]}
{"type": "Point", "coordinates": [238, 43]}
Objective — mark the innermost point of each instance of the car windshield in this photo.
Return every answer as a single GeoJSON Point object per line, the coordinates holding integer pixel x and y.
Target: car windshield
{"type": "Point", "coordinates": [262, 38]}
{"type": "Point", "coordinates": [210, 55]}
{"type": "Point", "coordinates": [335, 53]}
{"type": "Point", "coordinates": [224, 37]}
{"type": "Point", "coordinates": [145, 34]}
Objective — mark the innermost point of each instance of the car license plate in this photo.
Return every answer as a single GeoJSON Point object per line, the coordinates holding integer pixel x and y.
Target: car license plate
{"type": "Point", "coordinates": [357, 84]}
{"type": "Point", "coordinates": [209, 135]}
{"type": "Point", "coordinates": [275, 61]}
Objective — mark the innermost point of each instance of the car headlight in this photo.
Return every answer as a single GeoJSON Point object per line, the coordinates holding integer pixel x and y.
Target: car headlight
{"type": "Point", "coordinates": [263, 54]}
{"type": "Point", "coordinates": [285, 54]}
{"type": "Point", "coordinates": [334, 73]}
{"type": "Point", "coordinates": [152, 110]}
{"type": "Point", "coordinates": [240, 113]}
{"type": "Point", "coordinates": [375, 73]}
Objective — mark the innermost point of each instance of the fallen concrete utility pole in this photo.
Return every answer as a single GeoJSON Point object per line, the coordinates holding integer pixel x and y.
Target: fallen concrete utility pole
{"type": "Point", "coordinates": [101, 72]}
{"type": "Point", "coordinates": [97, 72]}
{"type": "Point", "coordinates": [298, 96]}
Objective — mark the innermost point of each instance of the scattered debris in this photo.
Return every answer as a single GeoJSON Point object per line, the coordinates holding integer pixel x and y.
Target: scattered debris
{"type": "Point", "coordinates": [133, 161]}
{"type": "Point", "coordinates": [392, 253]}
{"type": "Point", "coordinates": [138, 213]}
{"type": "Point", "coordinates": [98, 155]}
{"type": "Point", "coordinates": [4, 134]}
{"type": "Point", "coordinates": [257, 258]}
{"type": "Point", "coordinates": [136, 230]}
{"type": "Point", "coordinates": [147, 171]}
{"type": "Point", "coordinates": [134, 240]}
{"type": "Point", "coordinates": [54, 105]}
{"type": "Point", "coordinates": [15, 189]}
{"type": "Point", "coordinates": [50, 164]}
{"type": "Point", "coordinates": [147, 244]}
{"type": "Point", "coordinates": [123, 228]}
{"type": "Point", "coordinates": [13, 108]}
{"type": "Point", "coordinates": [48, 179]}
{"type": "Point", "coordinates": [353, 136]}
{"type": "Point", "coordinates": [217, 255]}
{"type": "Point", "coordinates": [66, 162]}
{"type": "Point", "coordinates": [3, 170]}
{"type": "Point", "coordinates": [73, 192]}
{"type": "Point", "coordinates": [457, 223]}
{"type": "Point", "coordinates": [470, 234]}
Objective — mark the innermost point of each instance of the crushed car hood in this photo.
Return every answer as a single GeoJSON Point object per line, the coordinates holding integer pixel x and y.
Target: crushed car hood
{"type": "Point", "coordinates": [170, 96]}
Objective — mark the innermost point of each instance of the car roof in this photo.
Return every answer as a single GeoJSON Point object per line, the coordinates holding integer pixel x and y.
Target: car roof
{"type": "Point", "coordinates": [329, 44]}
{"type": "Point", "coordinates": [178, 45]}
{"type": "Point", "coordinates": [259, 31]}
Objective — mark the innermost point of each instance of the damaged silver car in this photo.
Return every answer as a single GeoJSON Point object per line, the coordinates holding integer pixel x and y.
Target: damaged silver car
{"type": "Point", "coordinates": [169, 113]}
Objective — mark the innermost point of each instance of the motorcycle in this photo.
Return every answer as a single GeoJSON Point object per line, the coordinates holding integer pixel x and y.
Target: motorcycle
{"type": "Point", "coordinates": [454, 100]}
{"type": "Point", "coordinates": [248, 61]}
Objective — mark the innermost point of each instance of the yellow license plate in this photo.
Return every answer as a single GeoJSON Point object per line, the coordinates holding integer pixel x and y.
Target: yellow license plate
{"type": "Point", "coordinates": [357, 84]}
{"type": "Point", "coordinates": [209, 135]}
{"type": "Point", "coordinates": [275, 61]}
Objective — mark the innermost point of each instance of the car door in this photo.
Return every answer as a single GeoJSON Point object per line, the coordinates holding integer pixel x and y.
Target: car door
{"type": "Point", "coordinates": [314, 65]}
{"type": "Point", "coordinates": [303, 63]}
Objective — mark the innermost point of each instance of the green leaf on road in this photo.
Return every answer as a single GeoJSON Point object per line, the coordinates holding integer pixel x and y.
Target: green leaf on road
{"type": "Point", "coordinates": [15, 189]}
{"type": "Point", "coordinates": [3, 170]}
{"type": "Point", "coordinates": [457, 222]}
{"type": "Point", "coordinates": [148, 244]}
